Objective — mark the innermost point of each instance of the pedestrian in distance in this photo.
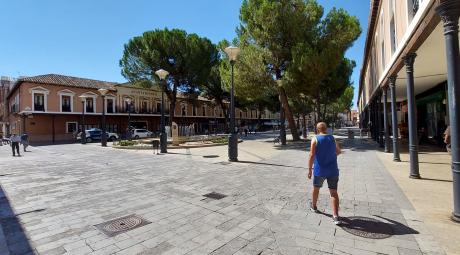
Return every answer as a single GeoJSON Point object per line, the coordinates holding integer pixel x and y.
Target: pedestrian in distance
{"type": "Point", "coordinates": [322, 166]}
{"type": "Point", "coordinates": [25, 141]}
{"type": "Point", "coordinates": [15, 140]}
{"type": "Point", "coordinates": [447, 139]}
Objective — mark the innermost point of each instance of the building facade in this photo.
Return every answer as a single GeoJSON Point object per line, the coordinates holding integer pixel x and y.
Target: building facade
{"type": "Point", "coordinates": [49, 108]}
{"type": "Point", "coordinates": [410, 79]}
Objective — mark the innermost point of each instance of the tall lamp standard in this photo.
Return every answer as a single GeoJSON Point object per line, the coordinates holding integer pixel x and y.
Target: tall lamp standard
{"type": "Point", "coordinates": [103, 92]}
{"type": "Point", "coordinates": [128, 133]}
{"type": "Point", "coordinates": [83, 131]}
{"type": "Point", "coordinates": [163, 140]}
{"type": "Point", "coordinates": [232, 53]}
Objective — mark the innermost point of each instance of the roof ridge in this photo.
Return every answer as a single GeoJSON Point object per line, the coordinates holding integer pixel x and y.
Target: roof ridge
{"type": "Point", "coordinates": [63, 76]}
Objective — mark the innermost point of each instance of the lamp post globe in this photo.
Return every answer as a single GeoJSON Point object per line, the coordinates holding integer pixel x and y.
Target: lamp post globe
{"type": "Point", "coordinates": [83, 130]}
{"type": "Point", "coordinates": [162, 74]}
{"type": "Point", "coordinates": [232, 53]}
{"type": "Point", "coordinates": [103, 92]}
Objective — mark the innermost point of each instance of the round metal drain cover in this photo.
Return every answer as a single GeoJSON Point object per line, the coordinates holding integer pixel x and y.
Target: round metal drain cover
{"type": "Point", "coordinates": [123, 224]}
{"type": "Point", "coordinates": [120, 225]}
{"type": "Point", "coordinates": [366, 227]}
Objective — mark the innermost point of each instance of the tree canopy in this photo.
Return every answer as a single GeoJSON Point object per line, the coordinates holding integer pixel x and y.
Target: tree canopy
{"type": "Point", "coordinates": [188, 58]}
{"type": "Point", "coordinates": [290, 40]}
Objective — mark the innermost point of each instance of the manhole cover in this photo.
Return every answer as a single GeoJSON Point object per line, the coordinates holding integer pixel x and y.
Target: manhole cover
{"type": "Point", "coordinates": [366, 227]}
{"type": "Point", "coordinates": [214, 195]}
{"type": "Point", "coordinates": [120, 225]}
{"type": "Point", "coordinates": [210, 156]}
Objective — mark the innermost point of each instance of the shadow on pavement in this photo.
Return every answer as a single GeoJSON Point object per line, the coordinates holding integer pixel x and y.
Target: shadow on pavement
{"type": "Point", "coordinates": [431, 163]}
{"type": "Point", "coordinates": [15, 236]}
{"type": "Point", "coordinates": [268, 164]}
{"type": "Point", "coordinates": [373, 228]}
{"type": "Point", "coordinates": [438, 180]}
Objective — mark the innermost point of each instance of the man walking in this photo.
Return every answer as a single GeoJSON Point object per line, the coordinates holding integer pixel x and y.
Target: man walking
{"type": "Point", "coordinates": [323, 153]}
{"type": "Point", "coordinates": [15, 140]}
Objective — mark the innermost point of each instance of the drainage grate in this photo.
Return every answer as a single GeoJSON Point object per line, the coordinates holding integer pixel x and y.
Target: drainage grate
{"type": "Point", "coordinates": [366, 227]}
{"type": "Point", "coordinates": [121, 225]}
{"type": "Point", "coordinates": [215, 195]}
{"type": "Point", "coordinates": [210, 156]}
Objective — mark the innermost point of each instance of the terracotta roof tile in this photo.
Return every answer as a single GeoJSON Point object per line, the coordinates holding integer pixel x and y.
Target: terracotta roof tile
{"type": "Point", "coordinates": [56, 79]}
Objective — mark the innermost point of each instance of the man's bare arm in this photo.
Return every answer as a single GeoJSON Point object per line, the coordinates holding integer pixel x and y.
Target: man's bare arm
{"type": "Point", "coordinates": [338, 151]}
{"type": "Point", "coordinates": [311, 157]}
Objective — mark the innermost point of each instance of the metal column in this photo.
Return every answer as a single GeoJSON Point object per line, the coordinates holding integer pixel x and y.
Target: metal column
{"type": "Point", "coordinates": [450, 12]}
{"type": "Point", "coordinates": [379, 119]}
{"type": "Point", "coordinates": [413, 138]}
{"type": "Point", "coordinates": [394, 119]}
{"type": "Point", "coordinates": [385, 119]}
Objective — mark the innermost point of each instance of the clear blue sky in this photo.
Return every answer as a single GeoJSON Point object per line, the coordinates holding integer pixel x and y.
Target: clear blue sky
{"type": "Point", "coordinates": [85, 38]}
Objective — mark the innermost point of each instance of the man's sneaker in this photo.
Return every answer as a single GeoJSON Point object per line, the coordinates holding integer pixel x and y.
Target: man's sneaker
{"type": "Point", "coordinates": [314, 209]}
{"type": "Point", "coordinates": [336, 220]}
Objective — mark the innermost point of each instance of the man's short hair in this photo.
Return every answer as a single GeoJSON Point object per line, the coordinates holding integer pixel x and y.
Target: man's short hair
{"type": "Point", "coordinates": [321, 126]}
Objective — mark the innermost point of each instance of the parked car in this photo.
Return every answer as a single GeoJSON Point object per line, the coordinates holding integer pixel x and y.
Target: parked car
{"type": "Point", "coordinates": [141, 133]}
{"type": "Point", "coordinates": [95, 134]}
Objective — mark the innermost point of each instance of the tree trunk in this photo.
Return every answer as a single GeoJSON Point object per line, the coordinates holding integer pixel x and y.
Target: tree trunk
{"type": "Point", "coordinates": [172, 109]}
{"type": "Point", "coordinates": [288, 114]}
{"type": "Point", "coordinates": [304, 126]}
{"type": "Point", "coordinates": [318, 108]}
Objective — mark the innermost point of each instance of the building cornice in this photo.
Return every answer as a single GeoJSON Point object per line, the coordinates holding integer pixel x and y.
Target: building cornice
{"type": "Point", "coordinates": [374, 10]}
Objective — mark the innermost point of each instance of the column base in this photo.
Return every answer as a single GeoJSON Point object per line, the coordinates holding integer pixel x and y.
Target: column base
{"type": "Point", "coordinates": [415, 177]}
{"type": "Point", "coordinates": [455, 218]}
{"type": "Point", "coordinates": [396, 160]}
{"type": "Point", "coordinates": [233, 159]}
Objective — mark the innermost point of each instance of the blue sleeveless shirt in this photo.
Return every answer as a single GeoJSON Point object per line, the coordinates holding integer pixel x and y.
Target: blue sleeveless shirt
{"type": "Point", "coordinates": [325, 164]}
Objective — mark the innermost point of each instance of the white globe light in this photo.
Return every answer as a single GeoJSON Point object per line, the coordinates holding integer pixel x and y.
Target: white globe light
{"type": "Point", "coordinates": [232, 52]}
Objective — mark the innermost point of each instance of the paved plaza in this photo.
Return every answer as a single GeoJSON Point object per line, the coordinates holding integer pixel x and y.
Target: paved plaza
{"type": "Point", "coordinates": [54, 196]}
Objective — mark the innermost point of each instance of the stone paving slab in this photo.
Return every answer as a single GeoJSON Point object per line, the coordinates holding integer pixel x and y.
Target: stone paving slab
{"type": "Point", "coordinates": [56, 194]}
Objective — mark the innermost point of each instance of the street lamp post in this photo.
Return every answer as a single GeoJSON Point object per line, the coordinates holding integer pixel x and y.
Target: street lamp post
{"type": "Point", "coordinates": [128, 133]}
{"type": "Point", "coordinates": [232, 53]}
{"type": "Point", "coordinates": [104, 134]}
{"type": "Point", "coordinates": [163, 139]}
{"type": "Point", "coordinates": [83, 131]}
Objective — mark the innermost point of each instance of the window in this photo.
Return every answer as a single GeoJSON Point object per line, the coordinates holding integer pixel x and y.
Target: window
{"type": "Point", "coordinates": [109, 105]}
{"type": "Point", "coordinates": [194, 110]}
{"type": "Point", "coordinates": [383, 56]}
{"type": "Point", "coordinates": [89, 104]}
{"type": "Point", "coordinates": [39, 102]}
{"type": "Point", "coordinates": [183, 111]}
{"type": "Point", "coordinates": [71, 127]}
{"type": "Point", "coordinates": [412, 8]}
{"type": "Point", "coordinates": [393, 35]}
{"type": "Point", "coordinates": [129, 106]}
{"type": "Point", "coordinates": [204, 110]}
{"type": "Point", "coordinates": [382, 36]}
{"type": "Point", "coordinates": [144, 106]}
{"type": "Point", "coordinates": [66, 103]}
{"type": "Point", "coordinates": [158, 108]}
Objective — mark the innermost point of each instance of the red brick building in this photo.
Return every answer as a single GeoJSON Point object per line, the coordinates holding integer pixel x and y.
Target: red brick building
{"type": "Point", "coordinates": [49, 108]}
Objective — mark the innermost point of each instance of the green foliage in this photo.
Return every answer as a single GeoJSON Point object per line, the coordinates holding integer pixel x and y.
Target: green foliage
{"type": "Point", "coordinates": [127, 143]}
{"type": "Point", "coordinates": [187, 57]}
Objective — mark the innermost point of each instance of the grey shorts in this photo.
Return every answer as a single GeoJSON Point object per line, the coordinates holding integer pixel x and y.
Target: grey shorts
{"type": "Point", "coordinates": [332, 182]}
